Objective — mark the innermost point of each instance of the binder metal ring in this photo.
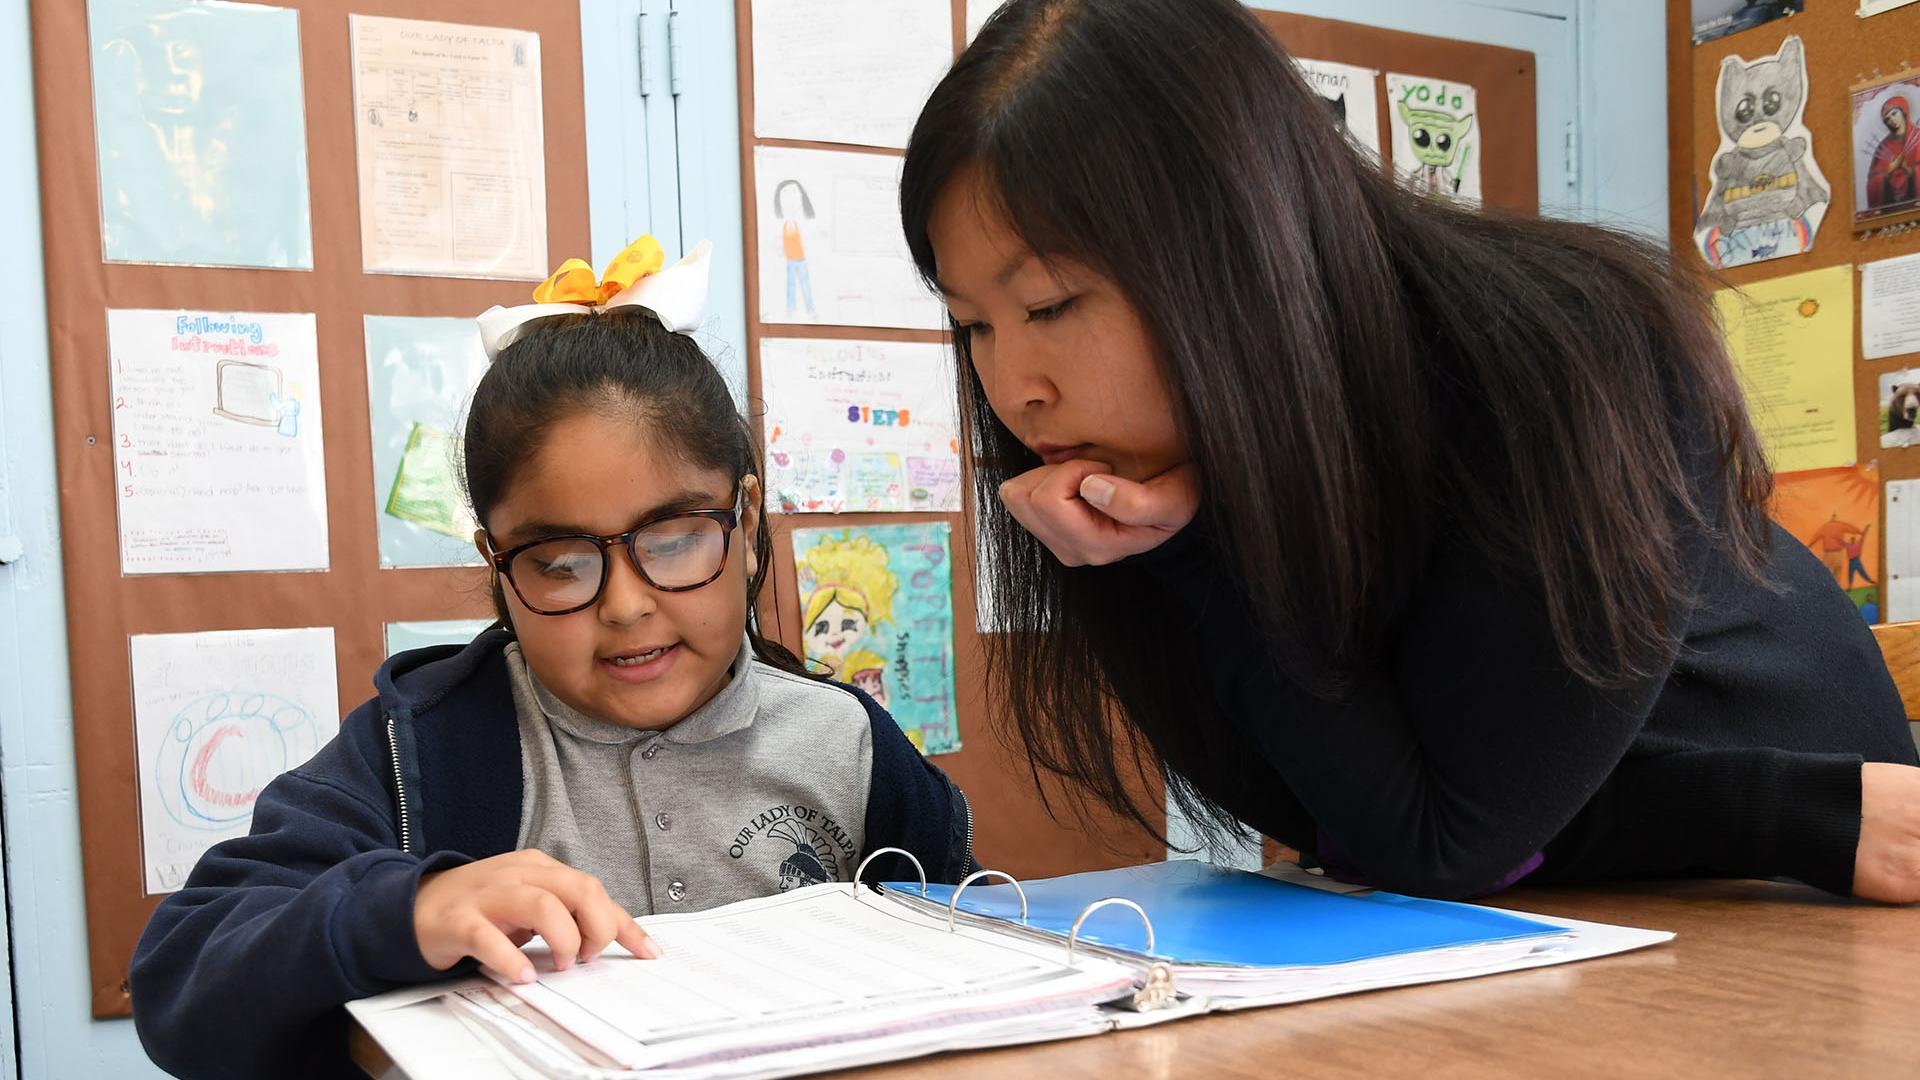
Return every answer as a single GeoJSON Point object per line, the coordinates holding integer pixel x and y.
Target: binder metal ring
{"type": "Point", "coordinates": [953, 905]}
{"type": "Point", "coordinates": [861, 870]}
{"type": "Point", "coordinates": [1074, 934]}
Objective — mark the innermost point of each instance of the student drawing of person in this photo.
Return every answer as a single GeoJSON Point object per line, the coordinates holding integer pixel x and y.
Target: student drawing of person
{"type": "Point", "coordinates": [853, 594]}
{"type": "Point", "coordinates": [792, 243]}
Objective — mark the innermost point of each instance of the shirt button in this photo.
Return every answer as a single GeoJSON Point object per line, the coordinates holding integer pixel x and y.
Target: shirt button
{"type": "Point", "coordinates": [677, 891]}
{"type": "Point", "coordinates": [662, 820]}
{"type": "Point", "coordinates": [648, 753]}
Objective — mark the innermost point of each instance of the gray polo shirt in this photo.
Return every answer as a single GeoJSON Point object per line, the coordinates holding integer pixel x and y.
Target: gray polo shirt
{"type": "Point", "coordinates": [760, 790]}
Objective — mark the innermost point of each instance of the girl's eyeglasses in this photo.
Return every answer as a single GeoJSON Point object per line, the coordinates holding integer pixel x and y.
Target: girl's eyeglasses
{"type": "Point", "coordinates": [559, 575]}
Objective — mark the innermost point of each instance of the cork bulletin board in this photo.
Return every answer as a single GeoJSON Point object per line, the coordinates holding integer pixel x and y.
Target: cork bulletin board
{"type": "Point", "coordinates": [1843, 51]}
{"type": "Point", "coordinates": [353, 596]}
{"type": "Point", "coordinates": [1014, 832]}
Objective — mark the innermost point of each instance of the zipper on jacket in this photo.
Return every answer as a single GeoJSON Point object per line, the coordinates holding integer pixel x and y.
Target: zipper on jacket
{"type": "Point", "coordinates": [400, 794]}
{"type": "Point", "coordinates": [966, 807]}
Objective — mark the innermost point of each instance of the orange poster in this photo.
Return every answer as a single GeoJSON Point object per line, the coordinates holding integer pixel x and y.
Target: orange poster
{"type": "Point", "coordinates": [1836, 513]}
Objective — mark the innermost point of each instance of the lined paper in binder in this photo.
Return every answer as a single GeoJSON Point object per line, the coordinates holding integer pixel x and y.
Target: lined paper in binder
{"type": "Point", "coordinates": [832, 976]}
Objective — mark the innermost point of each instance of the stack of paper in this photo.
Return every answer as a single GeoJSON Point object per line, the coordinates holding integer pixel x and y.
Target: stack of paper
{"type": "Point", "coordinates": [814, 979]}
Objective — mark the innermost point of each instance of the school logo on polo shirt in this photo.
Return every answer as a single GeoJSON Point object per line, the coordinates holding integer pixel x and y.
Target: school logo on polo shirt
{"type": "Point", "coordinates": [803, 845]}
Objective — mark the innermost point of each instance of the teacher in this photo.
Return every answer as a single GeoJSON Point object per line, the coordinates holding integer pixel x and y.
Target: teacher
{"type": "Point", "coordinates": [1428, 541]}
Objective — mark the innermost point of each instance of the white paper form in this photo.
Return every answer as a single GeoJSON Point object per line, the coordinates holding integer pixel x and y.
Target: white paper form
{"type": "Point", "coordinates": [1902, 571]}
{"type": "Point", "coordinates": [216, 716]}
{"type": "Point", "coordinates": [1350, 99]}
{"type": "Point", "coordinates": [860, 426]}
{"type": "Point", "coordinates": [217, 441]}
{"type": "Point", "coordinates": [812, 966]}
{"type": "Point", "coordinates": [830, 246]}
{"type": "Point", "coordinates": [830, 71]}
{"type": "Point", "coordinates": [448, 129]}
{"type": "Point", "coordinates": [1890, 307]}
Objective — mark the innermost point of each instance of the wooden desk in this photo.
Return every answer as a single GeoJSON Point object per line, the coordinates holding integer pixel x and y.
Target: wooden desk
{"type": "Point", "coordinates": [1764, 980]}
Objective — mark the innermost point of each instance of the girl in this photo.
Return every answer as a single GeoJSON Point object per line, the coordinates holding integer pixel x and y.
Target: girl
{"type": "Point", "coordinates": [622, 742]}
{"type": "Point", "coordinates": [792, 244]}
{"type": "Point", "coordinates": [1461, 515]}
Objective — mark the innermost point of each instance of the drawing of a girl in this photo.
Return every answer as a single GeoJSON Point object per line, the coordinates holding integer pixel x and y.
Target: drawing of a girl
{"type": "Point", "coordinates": [792, 243]}
{"type": "Point", "coordinates": [851, 593]}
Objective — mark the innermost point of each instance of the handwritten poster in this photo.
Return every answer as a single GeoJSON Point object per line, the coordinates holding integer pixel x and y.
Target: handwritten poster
{"type": "Point", "coordinates": [216, 716]}
{"type": "Point", "coordinates": [420, 376]}
{"type": "Point", "coordinates": [1348, 92]}
{"type": "Point", "coordinates": [200, 122]}
{"type": "Point", "coordinates": [831, 249]}
{"type": "Point", "coordinates": [218, 462]}
{"type": "Point", "coordinates": [453, 171]}
{"type": "Point", "coordinates": [1435, 125]}
{"type": "Point", "coordinates": [1890, 307]}
{"type": "Point", "coordinates": [402, 636]}
{"type": "Point", "coordinates": [1792, 340]}
{"type": "Point", "coordinates": [877, 603]}
{"type": "Point", "coordinates": [859, 426]}
{"type": "Point", "coordinates": [1836, 513]}
{"type": "Point", "coordinates": [829, 71]}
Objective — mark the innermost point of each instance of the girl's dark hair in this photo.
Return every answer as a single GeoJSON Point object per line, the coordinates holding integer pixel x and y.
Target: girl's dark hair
{"type": "Point", "coordinates": [806, 204]}
{"type": "Point", "coordinates": [618, 363]}
{"type": "Point", "coordinates": [1359, 375]}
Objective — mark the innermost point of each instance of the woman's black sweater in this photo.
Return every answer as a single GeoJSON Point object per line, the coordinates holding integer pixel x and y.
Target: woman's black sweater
{"type": "Point", "coordinates": [1473, 748]}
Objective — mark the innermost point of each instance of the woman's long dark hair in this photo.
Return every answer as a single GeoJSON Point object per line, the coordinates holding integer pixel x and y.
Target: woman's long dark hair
{"type": "Point", "coordinates": [620, 363]}
{"type": "Point", "coordinates": [1360, 374]}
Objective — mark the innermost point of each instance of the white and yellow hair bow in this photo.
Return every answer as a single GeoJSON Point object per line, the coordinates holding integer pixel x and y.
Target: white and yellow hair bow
{"type": "Point", "coordinates": [637, 277]}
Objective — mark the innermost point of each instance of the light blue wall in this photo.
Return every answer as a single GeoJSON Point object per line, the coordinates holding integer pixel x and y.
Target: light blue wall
{"type": "Point", "coordinates": [1623, 177]}
{"type": "Point", "coordinates": [52, 1004]}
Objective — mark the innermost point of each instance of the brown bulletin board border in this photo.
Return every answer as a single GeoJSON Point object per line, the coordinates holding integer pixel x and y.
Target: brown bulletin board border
{"type": "Point", "coordinates": [354, 597]}
{"type": "Point", "coordinates": [1843, 51]}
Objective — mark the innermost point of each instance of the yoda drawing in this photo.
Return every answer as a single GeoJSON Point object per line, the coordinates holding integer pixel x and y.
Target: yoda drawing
{"type": "Point", "coordinates": [1439, 147]}
{"type": "Point", "coordinates": [1767, 175]}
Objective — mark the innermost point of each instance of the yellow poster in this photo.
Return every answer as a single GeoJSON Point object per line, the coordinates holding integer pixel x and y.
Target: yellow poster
{"type": "Point", "coordinates": [1792, 340]}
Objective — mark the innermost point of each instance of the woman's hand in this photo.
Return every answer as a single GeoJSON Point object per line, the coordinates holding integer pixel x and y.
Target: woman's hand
{"type": "Point", "coordinates": [1886, 866]}
{"type": "Point", "coordinates": [488, 909]}
{"type": "Point", "coordinates": [1087, 516]}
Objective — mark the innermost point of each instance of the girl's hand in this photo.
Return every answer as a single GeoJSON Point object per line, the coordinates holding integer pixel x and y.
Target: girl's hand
{"type": "Point", "coordinates": [1886, 866]}
{"type": "Point", "coordinates": [488, 909]}
{"type": "Point", "coordinates": [1087, 516]}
